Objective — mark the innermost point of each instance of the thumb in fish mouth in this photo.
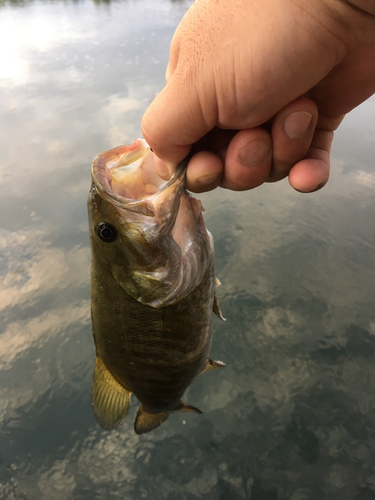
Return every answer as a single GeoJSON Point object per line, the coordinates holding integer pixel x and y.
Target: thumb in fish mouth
{"type": "Point", "coordinates": [146, 422]}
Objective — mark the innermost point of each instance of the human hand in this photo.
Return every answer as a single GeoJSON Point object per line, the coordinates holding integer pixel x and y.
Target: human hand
{"type": "Point", "coordinates": [258, 88]}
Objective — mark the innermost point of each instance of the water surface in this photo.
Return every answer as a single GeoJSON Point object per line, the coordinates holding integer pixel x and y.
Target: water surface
{"type": "Point", "coordinates": [292, 416]}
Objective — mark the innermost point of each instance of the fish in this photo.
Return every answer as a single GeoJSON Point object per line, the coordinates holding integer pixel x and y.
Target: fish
{"type": "Point", "coordinates": [153, 288]}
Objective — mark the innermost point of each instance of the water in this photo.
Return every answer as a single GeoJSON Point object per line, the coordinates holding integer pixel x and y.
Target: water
{"type": "Point", "coordinates": [292, 416]}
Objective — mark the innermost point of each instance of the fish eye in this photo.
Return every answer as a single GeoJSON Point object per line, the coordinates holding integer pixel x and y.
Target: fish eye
{"type": "Point", "coordinates": [106, 232]}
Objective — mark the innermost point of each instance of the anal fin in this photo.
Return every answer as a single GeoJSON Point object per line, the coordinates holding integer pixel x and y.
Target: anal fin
{"type": "Point", "coordinates": [110, 400]}
{"type": "Point", "coordinates": [212, 365]}
{"type": "Point", "coordinates": [146, 421]}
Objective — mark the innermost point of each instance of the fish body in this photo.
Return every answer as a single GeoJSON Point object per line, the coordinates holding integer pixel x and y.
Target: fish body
{"type": "Point", "coordinates": [152, 288]}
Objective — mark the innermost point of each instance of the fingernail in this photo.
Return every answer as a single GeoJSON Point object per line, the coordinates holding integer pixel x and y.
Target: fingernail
{"type": "Point", "coordinates": [297, 124]}
{"type": "Point", "coordinates": [207, 179]}
{"type": "Point", "coordinates": [254, 153]}
{"type": "Point", "coordinates": [319, 186]}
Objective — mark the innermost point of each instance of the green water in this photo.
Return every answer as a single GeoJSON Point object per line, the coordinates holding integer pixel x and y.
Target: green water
{"type": "Point", "coordinates": [292, 416]}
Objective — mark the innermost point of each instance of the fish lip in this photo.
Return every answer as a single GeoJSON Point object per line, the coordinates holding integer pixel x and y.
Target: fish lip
{"type": "Point", "coordinates": [144, 206]}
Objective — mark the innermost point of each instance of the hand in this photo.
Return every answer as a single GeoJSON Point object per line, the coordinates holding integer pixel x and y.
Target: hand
{"type": "Point", "coordinates": [257, 89]}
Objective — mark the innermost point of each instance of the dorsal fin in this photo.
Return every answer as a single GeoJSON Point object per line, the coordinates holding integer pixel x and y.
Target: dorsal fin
{"type": "Point", "coordinates": [110, 400]}
{"type": "Point", "coordinates": [212, 365]}
{"type": "Point", "coordinates": [146, 421]}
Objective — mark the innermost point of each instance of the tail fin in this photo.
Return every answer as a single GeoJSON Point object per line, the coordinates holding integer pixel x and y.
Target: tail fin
{"type": "Point", "coordinates": [146, 421]}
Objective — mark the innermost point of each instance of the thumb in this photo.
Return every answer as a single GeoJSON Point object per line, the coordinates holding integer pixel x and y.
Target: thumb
{"type": "Point", "coordinates": [179, 116]}
{"type": "Point", "coordinates": [174, 121]}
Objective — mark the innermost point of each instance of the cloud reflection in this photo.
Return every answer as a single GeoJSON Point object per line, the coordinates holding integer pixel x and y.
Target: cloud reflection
{"type": "Point", "coordinates": [23, 36]}
{"type": "Point", "coordinates": [50, 269]}
{"type": "Point", "coordinates": [23, 335]}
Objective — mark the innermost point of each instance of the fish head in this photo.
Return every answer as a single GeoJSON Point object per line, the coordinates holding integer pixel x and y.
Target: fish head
{"type": "Point", "coordinates": [148, 232]}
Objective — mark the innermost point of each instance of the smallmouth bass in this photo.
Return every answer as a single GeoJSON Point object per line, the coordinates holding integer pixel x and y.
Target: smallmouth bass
{"type": "Point", "coordinates": [153, 288]}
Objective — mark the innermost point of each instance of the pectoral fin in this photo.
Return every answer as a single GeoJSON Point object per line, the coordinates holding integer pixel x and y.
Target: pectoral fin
{"type": "Point", "coordinates": [146, 422]}
{"type": "Point", "coordinates": [212, 365]}
{"type": "Point", "coordinates": [110, 400]}
{"type": "Point", "coordinates": [216, 308]}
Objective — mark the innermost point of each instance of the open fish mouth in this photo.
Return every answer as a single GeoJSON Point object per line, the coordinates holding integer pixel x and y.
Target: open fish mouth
{"type": "Point", "coordinates": [160, 227]}
{"type": "Point", "coordinates": [131, 175]}
{"type": "Point", "coordinates": [128, 177]}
